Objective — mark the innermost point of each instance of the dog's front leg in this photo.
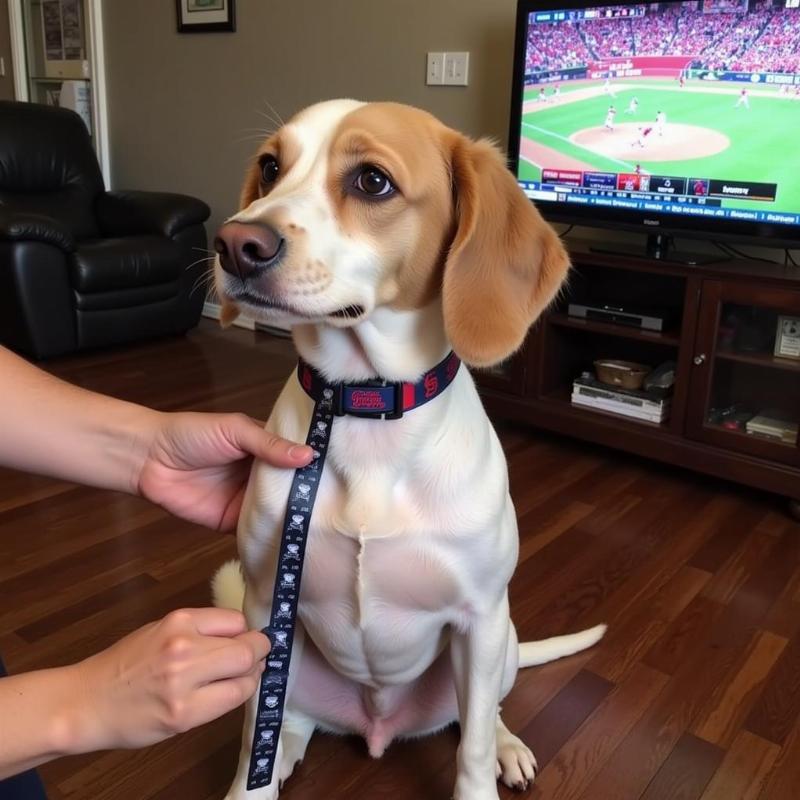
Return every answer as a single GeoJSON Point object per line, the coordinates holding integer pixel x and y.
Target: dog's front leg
{"type": "Point", "coordinates": [257, 614]}
{"type": "Point", "coordinates": [479, 656]}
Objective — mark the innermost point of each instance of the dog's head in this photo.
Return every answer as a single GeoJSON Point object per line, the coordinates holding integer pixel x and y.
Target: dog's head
{"type": "Point", "coordinates": [352, 206]}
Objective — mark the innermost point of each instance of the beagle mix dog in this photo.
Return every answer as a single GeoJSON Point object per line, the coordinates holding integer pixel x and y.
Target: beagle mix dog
{"type": "Point", "coordinates": [386, 240]}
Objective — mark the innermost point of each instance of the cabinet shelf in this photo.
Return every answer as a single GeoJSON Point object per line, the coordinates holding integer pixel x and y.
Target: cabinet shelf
{"type": "Point", "coordinates": [770, 440]}
{"type": "Point", "coordinates": [759, 359]}
{"type": "Point", "coordinates": [537, 383]}
{"type": "Point", "coordinates": [563, 320]}
{"type": "Point", "coordinates": [561, 399]}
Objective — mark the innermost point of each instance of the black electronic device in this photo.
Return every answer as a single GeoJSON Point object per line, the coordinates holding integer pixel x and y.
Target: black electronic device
{"type": "Point", "coordinates": [647, 319]}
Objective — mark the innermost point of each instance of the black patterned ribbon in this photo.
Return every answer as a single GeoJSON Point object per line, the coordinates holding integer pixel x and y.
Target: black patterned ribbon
{"type": "Point", "coordinates": [281, 628]}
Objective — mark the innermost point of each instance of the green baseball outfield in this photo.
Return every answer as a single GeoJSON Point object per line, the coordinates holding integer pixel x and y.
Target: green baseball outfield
{"type": "Point", "coordinates": [705, 134]}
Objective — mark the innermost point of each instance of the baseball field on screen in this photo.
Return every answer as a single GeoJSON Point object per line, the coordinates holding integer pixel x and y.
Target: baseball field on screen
{"type": "Point", "coordinates": [705, 136]}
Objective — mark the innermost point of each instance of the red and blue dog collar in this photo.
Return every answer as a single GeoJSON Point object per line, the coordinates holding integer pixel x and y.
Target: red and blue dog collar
{"type": "Point", "coordinates": [378, 399]}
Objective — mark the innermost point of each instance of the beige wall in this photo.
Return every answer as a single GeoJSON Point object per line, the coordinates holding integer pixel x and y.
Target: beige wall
{"type": "Point", "coordinates": [183, 106]}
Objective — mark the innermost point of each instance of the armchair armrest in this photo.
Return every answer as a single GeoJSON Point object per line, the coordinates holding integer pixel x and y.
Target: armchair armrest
{"type": "Point", "coordinates": [140, 213]}
{"type": "Point", "coordinates": [25, 227]}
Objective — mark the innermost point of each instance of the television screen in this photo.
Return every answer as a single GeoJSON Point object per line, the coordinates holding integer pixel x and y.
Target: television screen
{"type": "Point", "coordinates": [687, 111]}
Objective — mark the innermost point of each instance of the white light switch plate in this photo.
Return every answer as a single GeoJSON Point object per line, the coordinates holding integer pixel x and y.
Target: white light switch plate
{"type": "Point", "coordinates": [456, 69]}
{"type": "Point", "coordinates": [435, 74]}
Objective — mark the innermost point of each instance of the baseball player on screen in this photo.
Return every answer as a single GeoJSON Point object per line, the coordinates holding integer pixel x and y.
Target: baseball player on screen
{"type": "Point", "coordinates": [743, 100]}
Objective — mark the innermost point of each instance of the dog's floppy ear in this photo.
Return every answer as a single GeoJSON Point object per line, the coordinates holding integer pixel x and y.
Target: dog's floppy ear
{"type": "Point", "coordinates": [252, 184]}
{"type": "Point", "coordinates": [505, 264]}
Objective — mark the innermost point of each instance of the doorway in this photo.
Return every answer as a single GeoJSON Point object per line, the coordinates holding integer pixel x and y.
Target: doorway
{"type": "Point", "coordinates": [59, 59]}
{"type": "Point", "coordinates": [6, 60]}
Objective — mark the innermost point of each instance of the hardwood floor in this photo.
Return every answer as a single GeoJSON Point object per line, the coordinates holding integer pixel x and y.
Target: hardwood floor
{"type": "Point", "coordinates": [695, 692]}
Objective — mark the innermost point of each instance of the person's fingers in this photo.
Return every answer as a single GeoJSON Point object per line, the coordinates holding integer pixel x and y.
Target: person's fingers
{"type": "Point", "coordinates": [248, 436]}
{"type": "Point", "coordinates": [206, 621]}
{"type": "Point", "coordinates": [216, 699]}
{"type": "Point", "coordinates": [257, 642]}
{"type": "Point", "coordinates": [236, 658]}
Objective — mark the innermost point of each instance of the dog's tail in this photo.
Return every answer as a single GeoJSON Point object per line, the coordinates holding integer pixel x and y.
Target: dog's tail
{"type": "Point", "coordinates": [533, 653]}
{"type": "Point", "coordinates": [227, 586]}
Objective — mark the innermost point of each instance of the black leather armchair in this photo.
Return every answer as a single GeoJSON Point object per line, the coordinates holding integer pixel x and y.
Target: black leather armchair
{"type": "Point", "coordinates": [81, 267]}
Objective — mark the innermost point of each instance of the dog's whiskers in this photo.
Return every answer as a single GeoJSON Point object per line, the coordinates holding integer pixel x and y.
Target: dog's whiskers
{"type": "Point", "coordinates": [274, 117]}
{"type": "Point", "coordinates": [200, 261]}
{"type": "Point", "coordinates": [203, 281]}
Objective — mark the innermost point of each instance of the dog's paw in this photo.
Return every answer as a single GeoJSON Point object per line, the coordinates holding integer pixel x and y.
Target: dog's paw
{"type": "Point", "coordinates": [516, 764]}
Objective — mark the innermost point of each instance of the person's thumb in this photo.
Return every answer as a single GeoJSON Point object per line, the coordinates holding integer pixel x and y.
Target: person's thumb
{"type": "Point", "coordinates": [248, 436]}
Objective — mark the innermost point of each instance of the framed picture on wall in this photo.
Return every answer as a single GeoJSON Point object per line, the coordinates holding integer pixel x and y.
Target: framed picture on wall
{"type": "Point", "coordinates": [206, 16]}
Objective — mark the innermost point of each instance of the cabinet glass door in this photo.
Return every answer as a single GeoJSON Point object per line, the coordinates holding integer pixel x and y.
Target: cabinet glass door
{"type": "Point", "coordinates": [746, 387]}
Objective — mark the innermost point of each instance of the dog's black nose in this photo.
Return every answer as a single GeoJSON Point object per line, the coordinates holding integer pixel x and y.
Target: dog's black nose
{"type": "Point", "coordinates": [247, 248]}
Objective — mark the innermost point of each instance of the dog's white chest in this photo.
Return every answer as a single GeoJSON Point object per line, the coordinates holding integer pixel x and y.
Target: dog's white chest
{"type": "Point", "coordinates": [374, 575]}
{"type": "Point", "coordinates": [376, 606]}
{"type": "Point", "coordinates": [412, 522]}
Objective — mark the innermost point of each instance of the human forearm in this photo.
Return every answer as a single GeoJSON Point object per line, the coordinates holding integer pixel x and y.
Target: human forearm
{"type": "Point", "coordinates": [50, 427]}
{"type": "Point", "coordinates": [38, 721]}
{"type": "Point", "coordinates": [165, 678]}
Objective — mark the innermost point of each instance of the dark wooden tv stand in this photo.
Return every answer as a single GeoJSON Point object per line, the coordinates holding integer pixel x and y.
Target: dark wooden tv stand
{"type": "Point", "coordinates": [722, 329]}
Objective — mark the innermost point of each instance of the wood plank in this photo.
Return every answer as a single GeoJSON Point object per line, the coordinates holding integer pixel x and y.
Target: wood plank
{"type": "Point", "coordinates": [687, 771]}
{"type": "Point", "coordinates": [680, 638]}
{"type": "Point", "coordinates": [564, 714]}
{"type": "Point", "coordinates": [547, 527]}
{"type": "Point", "coordinates": [576, 763]}
{"type": "Point", "coordinates": [537, 686]}
{"type": "Point", "coordinates": [783, 780]}
{"type": "Point", "coordinates": [776, 711]}
{"type": "Point", "coordinates": [119, 593]}
{"type": "Point", "coordinates": [744, 769]}
{"type": "Point", "coordinates": [728, 539]}
{"type": "Point", "coordinates": [730, 702]}
{"type": "Point", "coordinates": [724, 585]}
{"type": "Point", "coordinates": [719, 645]}
{"type": "Point", "coordinates": [633, 634]}
{"type": "Point", "coordinates": [551, 607]}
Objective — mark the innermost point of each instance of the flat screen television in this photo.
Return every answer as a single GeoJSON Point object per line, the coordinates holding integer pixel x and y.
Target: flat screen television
{"type": "Point", "coordinates": [671, 117]}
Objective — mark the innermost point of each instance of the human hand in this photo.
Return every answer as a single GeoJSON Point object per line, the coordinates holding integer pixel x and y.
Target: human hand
{"type": "Point", "coordinates": [187, 669]}
{"type": "Point", "coordinates": [196, 465]}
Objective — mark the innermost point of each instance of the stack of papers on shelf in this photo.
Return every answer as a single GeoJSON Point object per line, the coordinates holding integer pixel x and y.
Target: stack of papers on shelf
{"type": "Point", "coordinates": [647, 406]}
{"type": "Point", "coordinates": [774, 424]}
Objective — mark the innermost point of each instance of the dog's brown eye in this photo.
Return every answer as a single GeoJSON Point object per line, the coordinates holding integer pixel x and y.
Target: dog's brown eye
{"type": "Point", "coordinates": [269, 169]}
{"type": "Point", "coordinates": [373, 182]}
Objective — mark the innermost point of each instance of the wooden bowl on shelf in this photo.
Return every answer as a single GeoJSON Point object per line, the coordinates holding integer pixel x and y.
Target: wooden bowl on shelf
{"type": "Point", "coordinates": [626, 374]}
